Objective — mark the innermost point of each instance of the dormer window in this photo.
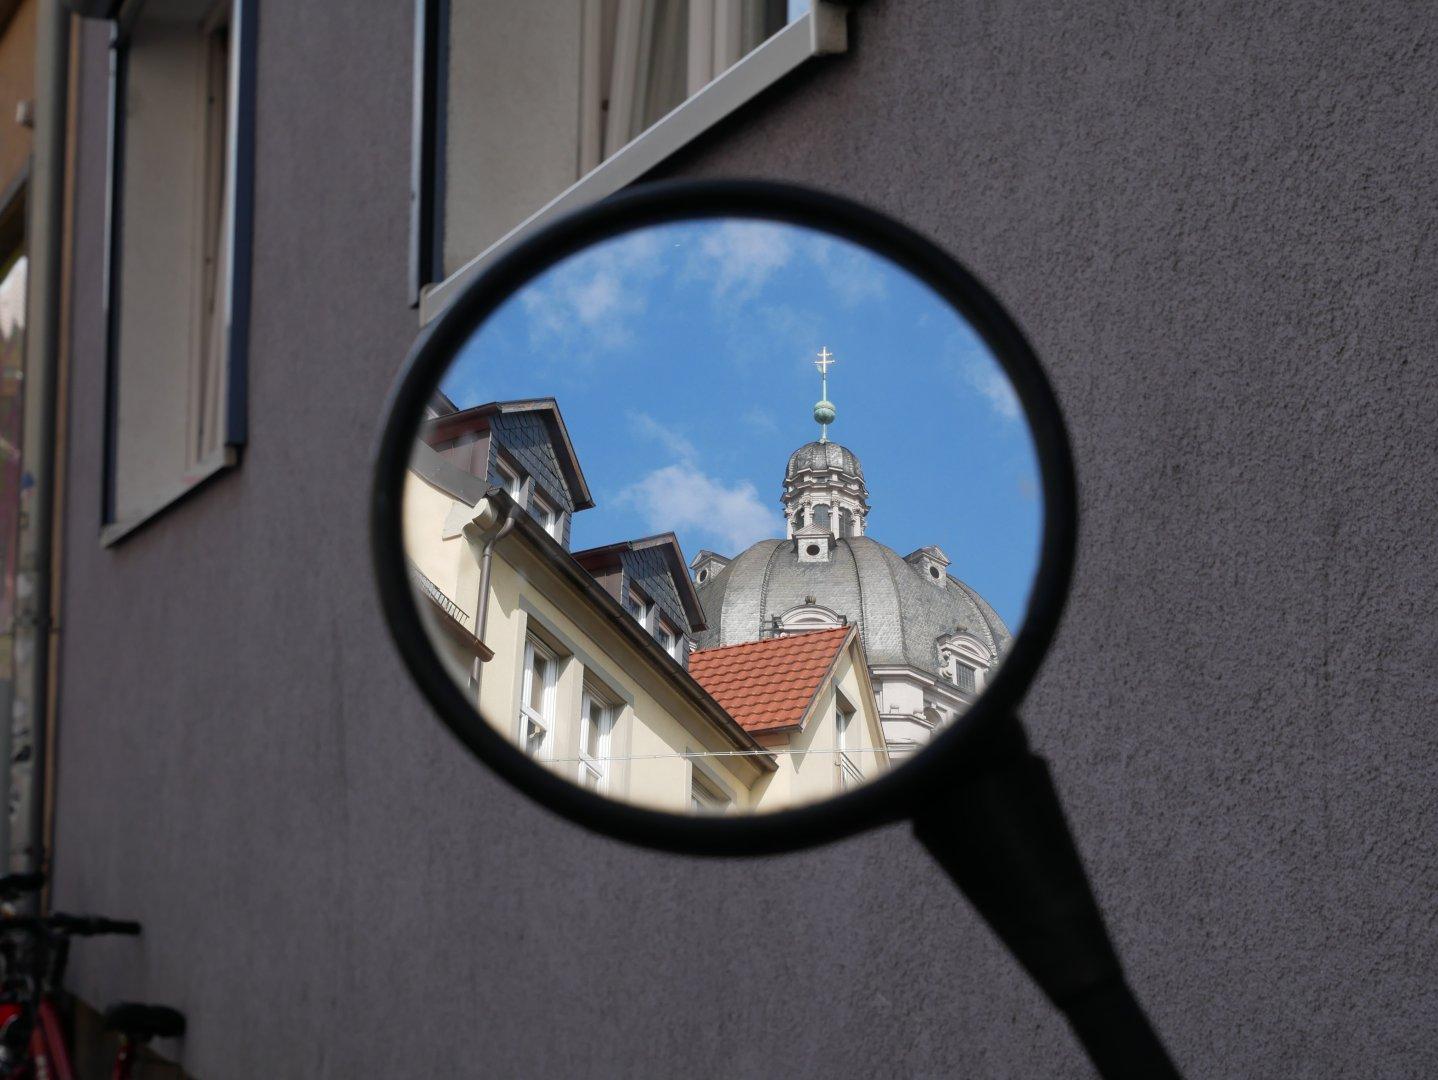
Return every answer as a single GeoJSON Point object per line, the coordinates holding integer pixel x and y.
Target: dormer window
{"type": "Point", "coordinates": [510, 480]}
{"type": "Point", "coordinates": [706, 564]}
{"type": "Point", "coordinates": [965, 661]}
{"type": "Point", "coordinates": [808, 616]}
{"type": "Point", "coordinates": [963, 676]}
{"type": "Point", "coordinates": [637, 604]}
{"type": "Point", "coordinates": [548, 515]}
{"type": "Point", "coordinates": [670, 639]}
{"type": "Point", "coordinates": [932, 563]}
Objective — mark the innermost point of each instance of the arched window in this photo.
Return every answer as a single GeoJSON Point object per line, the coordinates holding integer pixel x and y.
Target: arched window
{"type": "Point", "coordinates": [821, 516]}
{"type": "Point", "coordinates": [846, 523]}
{"type": "Point", "coordinates": [965, 662]}
{"type": "Point", "coordinates": [809, 617]}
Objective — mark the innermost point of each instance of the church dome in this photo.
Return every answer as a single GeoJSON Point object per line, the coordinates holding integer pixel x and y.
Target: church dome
{"type": "Point", "coordinates": [820, 456]}
{"type": "Point", "coordinates": [902, 615]}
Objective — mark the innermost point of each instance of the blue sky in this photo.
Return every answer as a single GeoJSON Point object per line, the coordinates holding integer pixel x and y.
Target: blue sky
{"type": "Point", "coordinates": [682, 358]}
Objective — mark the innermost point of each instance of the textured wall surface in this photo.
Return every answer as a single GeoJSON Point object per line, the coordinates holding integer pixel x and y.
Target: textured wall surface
{"type": "Point", "coordinates": [1217, 223]}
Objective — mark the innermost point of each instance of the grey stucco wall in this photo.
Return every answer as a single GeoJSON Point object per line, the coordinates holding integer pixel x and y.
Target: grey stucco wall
{"type": "Point", "coordinates": [1217, 225]}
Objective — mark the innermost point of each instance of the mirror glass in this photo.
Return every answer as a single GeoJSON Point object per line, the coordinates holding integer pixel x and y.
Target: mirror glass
{"type": "Point", "coordinates": [723, 517]}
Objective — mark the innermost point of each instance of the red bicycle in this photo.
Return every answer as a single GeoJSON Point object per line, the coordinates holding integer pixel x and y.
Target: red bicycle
{"type": "Point", "coordinates": [34, 950]}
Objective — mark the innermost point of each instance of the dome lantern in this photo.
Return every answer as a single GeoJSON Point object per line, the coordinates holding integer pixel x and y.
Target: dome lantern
{"type": "Point", "coordinates": [824, 490]}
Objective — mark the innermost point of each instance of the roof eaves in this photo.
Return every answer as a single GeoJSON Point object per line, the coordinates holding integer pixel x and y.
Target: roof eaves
{"type": "Point", "coordinates": [560, 560]}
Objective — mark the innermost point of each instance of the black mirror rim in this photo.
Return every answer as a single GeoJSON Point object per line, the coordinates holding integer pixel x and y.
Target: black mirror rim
{"type": "Point", "coordinates": [889, 798]}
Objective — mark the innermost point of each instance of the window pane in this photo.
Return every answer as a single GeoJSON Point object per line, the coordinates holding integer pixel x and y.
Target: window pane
{"type": "Point", "coordinates": [538, 676]}
{"type": "Point", "coordinates": [593, 728]}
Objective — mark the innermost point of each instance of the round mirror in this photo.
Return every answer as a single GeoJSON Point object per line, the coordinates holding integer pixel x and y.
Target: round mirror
{"type": "Point", "coordinates": [724, 516]}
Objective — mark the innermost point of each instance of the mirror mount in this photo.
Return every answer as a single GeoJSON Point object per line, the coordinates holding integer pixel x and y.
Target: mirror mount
{"type": "Point", "coordinates": [1000, 834]}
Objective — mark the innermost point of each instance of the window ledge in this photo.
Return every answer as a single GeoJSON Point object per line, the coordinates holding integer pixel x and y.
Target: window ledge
{"type": "Point", "coordinates": [116, 531]}
{"type": "Point", "coordinates": [822, 31]}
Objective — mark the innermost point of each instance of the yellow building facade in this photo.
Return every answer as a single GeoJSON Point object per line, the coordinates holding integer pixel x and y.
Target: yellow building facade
{"type": "Point", "coordinates": [557, 665]}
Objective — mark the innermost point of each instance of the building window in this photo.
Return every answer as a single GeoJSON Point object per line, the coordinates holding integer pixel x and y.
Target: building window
{"type": "Point", "coordinates": [670, 639]}
{"type": "Point", "coordinates": [846, 523]}
{"type": "Point", "coordinates": [638, 605]}
{"type": "Point", "coordinates": [181, 168]}
{"type": "Point", "coordinates": [536, 706]}
{"type": "Point", "coordinates": [596, 723]}
{"type": "Point", "coordinates": [849, 771]}
{"type": "Point", "coordinates": [821, 516]}
{"type": "Point", "coordinates": [706, 796]}
{"type": "Point", "coordinates": [964, 677]}
{"type": "Point", "coordinates": [511, 480]}
{"type": "Point", "coordinates": [522, 108]}
{"type": "Point", "coordinates": [548, 515]}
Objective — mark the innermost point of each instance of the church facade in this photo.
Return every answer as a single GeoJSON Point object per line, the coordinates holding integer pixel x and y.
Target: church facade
{"type": "Point", "coordinates": [932, 642]}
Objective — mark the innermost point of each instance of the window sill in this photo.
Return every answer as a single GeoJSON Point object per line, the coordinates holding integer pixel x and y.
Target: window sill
{"type": "Point", "coordinates": [823, 31]}
{"type": "Point", "coordinates": [116, 531]}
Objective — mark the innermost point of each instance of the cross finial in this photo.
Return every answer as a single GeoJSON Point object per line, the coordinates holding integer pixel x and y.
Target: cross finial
{"type": "Point", "coordinates": [824, 409]}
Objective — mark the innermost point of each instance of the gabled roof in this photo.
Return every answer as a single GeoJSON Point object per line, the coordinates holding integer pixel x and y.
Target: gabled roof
{"type": "Point", "coordinates": [476, 418]}
{"type": "Point", "coordinates": [597, 558]}
{"type": "Point", "coordinates": [768, 685]}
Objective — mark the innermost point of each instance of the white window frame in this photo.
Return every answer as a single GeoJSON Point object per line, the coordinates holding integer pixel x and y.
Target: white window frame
{"type": "Point", "coordinates": [850, 773]}
{"type": "Point", "coordinates": [645, 616]}
{"type": "Point", "coordinates": [543, 716]}
{"type": "Point", "coordinates": [510, 478]}
{"type": "Point", "coordinates": [705, 795]}
{"type": "Point", "coordinates": [822, 31]}
{"type": "Point", "coordinates": [548, 514]}
{"type": "Point", "coordinates": [594, 771]}
{"type": "Point", "coordinates": [671, 639]}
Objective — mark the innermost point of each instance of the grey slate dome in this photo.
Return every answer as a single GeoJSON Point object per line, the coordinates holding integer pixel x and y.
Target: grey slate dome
{"type": "Point", "coordinates": [901, 614]}
{"type": "Point", "coordinates": [818, 456]}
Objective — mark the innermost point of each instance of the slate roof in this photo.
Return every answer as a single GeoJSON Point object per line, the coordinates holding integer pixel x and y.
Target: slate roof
{"type": "Point", "coordinates": [768, 685]}
{"type": "Point", "coordinates": [815, 456]}
{"type": "Point", "coordinates": [900, 613]}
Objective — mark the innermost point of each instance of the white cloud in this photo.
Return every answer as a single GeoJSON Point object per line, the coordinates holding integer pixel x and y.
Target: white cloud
{"type": "Point", "coordinates": [740, 257]}
{"type": "Point", "coordinates": [683, 497]}
{"type": "Point", "coordinates": [851, 274]}
{"type": "Point", "coordinates": [990, 381]}
{"type": "Point", "coordinates": [646, 427]}
{"type": "Point", "coordinates": [757, 419]}
{"type": "Point", "coordinates": [590, 301]}
{"type": "Point", "coordinates": [971, 366]}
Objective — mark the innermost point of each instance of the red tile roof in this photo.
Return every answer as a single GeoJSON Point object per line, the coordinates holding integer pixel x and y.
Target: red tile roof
{"type": "Point", "coordinates": [767, 685]}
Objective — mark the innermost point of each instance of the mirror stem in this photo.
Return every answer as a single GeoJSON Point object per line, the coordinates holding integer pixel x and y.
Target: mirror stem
{"type": "Point", "coordinates": [1000, 834]}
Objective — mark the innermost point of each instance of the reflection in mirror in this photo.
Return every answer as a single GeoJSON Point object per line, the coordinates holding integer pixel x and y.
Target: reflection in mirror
{"type": "Point", "coordinates": [657, 514]}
